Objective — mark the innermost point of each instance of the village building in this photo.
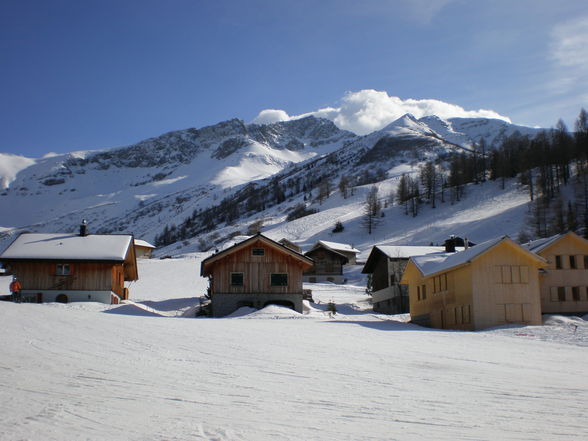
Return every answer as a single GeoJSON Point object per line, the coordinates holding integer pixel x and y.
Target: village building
{"type": "Point", "coordinates": [490, 284]}
{"type": "Point", "coordinates": [72, 268]}
{"type": "Point", "coordinates": [255, 273]}
{"type": "Point", "coordinates": [290, 245]}
{"type": "Point", "coordinates": [385, 266]}
{"type": "Point", "coordinates": [564, 282]}
{"type": "Point", "coordinates": [143, 249]}
{"type": "Point", "coordinates": [329, 259]}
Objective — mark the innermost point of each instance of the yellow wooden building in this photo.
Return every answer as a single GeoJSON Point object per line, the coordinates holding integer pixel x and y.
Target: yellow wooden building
{"type": "Point", "coordinates": [564, 283]}
{"type": "Point", "coordinates": [490, 284]}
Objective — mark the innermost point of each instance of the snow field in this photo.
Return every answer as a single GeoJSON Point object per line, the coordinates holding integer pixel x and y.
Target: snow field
{"type": "Point", "coordinates": [75, 372]}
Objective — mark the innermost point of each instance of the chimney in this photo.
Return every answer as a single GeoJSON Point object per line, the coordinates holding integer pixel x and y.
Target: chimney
{"type": "Point", "coordinates": [450, 245]}
{"type": "Point", "coordinates": [84, 228]}
{"type": "Point", "coordinates": [466, 243]}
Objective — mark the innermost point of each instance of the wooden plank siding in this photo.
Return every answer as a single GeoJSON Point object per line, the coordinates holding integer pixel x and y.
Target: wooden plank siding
{"type": "Point", "coordinates": [84, 276]}
{"type": "Point", "coordinates": [256, 271]}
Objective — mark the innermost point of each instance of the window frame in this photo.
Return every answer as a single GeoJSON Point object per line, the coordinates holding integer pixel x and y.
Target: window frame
{"type": "Point", "coordinates": [234, 273]}
{"type": "Point", "coordinates": [63, 269]}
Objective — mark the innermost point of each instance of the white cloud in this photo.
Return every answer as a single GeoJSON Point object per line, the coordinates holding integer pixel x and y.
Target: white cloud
{"type": "Point", "coordinates": [368, 110]}
{"type": "Point", "coordinates": [269, 116]}
{"type": "Point", "coordinates": [569, 52]}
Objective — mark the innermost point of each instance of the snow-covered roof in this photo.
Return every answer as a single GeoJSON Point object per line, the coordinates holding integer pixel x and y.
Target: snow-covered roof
{"type": "Point", "coordinates": [69, 247]}
{"type": "Point", "coordinates": [404, 252]}
{"type": "Point", "coordinates": [540, 244]}
{"type": "Point", "coordinates": [438, 262]}
{"type": "Point", "coordinates": [335, 246]}
{"type": "Point", "coordinates": [143, 243]}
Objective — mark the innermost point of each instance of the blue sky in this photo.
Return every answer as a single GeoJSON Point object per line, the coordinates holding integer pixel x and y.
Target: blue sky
{"type": "Point", "coordinates": [92, 74]}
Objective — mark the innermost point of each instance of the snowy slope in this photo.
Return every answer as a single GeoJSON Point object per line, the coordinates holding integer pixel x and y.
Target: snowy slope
{"type": "Point", "coordinates": [96, 372]}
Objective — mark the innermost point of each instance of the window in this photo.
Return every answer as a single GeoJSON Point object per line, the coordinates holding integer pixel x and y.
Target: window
{"type": "Point", "coordinates": [424, 292]}
{"type": "Point", "coordinates": [558, 262]}
{"type": "Point", "coordinates": [576, 293]}
{"type": "Point", "coordinates": [279, 279]}
{"type": "Point", "coordinates": [419, 293]}
{"type": "Point", "coordinates": [440, 283]}
{"type": "Point", "coordinates": [236, 279]}
{"type": "Point", "coordinates": [509, 274]}
{"type": "Point", "coordinates": [258, 251]}
{"type": "Point", "coordinates": [63, 269]}
{"type": "Point", "coordinates": [585, 262]}
{"type": "Point", "coordinates": [561, 294]}
{"type": "Point", "coordinates": [573, 262]}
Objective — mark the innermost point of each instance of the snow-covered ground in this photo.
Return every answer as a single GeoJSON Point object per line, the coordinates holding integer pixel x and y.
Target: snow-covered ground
{"type": "Point", "coordinates": [142, 371]}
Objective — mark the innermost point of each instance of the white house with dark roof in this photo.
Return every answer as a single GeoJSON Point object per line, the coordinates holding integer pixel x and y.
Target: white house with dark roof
{"type": "Point", "coordinates": [72, 267]}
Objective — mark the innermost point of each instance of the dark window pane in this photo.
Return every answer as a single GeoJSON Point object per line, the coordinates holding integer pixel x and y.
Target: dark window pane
{"type": "Point", "coordinates": [237, 279]}
{"type": "Point", "coordinates": [258, 252]}
{"type": "Point", "coordinates": [558, 262]}
{"type": "Point", "coordinates": [279, 279]}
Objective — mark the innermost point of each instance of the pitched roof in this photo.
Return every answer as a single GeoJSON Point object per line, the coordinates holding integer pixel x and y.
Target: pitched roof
{"type": "Point", "coordinates": [396, 252]}
{"type": "Point", "coordinates": [143, 243]}
{"type": "Point", "coordinates": [238, 246]}
{"type": "Point", "coordinates": [439, 262]}
{"type": "Point", "coordinates": [538, 245]}
{"type": "Point", "coordinates": [95, 247]}
{"type": "Point", "coordinates": [404, 252]}
{"type": "Point", "coordinates": [336, 246]}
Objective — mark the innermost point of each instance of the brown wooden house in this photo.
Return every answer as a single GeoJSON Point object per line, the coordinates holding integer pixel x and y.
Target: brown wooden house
{"type": "Point", "coordinates": [255, 272]}
{"type": "Point", "coordinates": [329, 260]}
{"type": "Point", "coordinates": [72, 268]}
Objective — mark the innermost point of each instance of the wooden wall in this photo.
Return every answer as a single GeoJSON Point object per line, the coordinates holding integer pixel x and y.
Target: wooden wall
{"type": "Point", "coordinates": [256, 271]}
{"type": "Point", "coordinates": [84, 276]}
{"type": "Point", "coordinates": [326, 263]}
{"type": "Point", "coordinates": [566, 277]}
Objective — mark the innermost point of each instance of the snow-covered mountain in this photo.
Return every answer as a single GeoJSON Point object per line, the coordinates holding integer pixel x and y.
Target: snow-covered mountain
{"type": "Point", "coordinates": [259, 171]}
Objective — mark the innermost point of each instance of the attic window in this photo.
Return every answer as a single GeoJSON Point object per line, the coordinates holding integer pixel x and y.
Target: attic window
{"type": "Point", "coordinates": [63, 269]}
{"type": "Point", "coordinates": [258, 251]}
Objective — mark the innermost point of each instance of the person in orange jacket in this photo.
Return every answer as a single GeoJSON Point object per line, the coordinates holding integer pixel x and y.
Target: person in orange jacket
{"type": "Point", "coordinates": [15, 288]}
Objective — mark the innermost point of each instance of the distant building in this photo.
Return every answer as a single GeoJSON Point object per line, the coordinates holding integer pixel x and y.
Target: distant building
{"type": "Point", "coordinates": [290, 245]}
{"type": "Point", "coordinates": [72, 268]}
{"type": "Point", "coordinates": [490, 284]}
{"type": "Point", "coordinates": [564, 282]}
{"type": "Point", "coordinates": [255, 272]}
{"type": "Point", "coordinates": [329, 259]}
{"type": "Point", "coordinates": [143, 249]}
{"type": "Point", "coordinates": [386, 265]}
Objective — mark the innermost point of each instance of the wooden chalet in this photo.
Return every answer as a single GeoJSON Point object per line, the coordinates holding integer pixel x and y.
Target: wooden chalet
{"type": "Point", "coordinates": [564, 282]}
{"type": "Point", "coordinates": [72, 268]}
{"type": "Point", "coordinates": [255, 272]}
{"type": "Point", "coordinates": [290, 245]}
{"type": "Point", "coordinates": [329, 259]}
{"type": "Point", "coordinates": [385, 265]}
{"type": "Point", "coordinates": [490, 284]}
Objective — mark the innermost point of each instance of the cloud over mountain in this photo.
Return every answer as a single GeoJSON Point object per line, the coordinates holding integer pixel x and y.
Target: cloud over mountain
{"type": "Point", "coordinates": [368, 110]}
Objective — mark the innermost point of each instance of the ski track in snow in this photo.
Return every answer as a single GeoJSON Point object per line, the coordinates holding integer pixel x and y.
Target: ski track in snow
{"type": "Point", "coordinates": [76, 372]}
